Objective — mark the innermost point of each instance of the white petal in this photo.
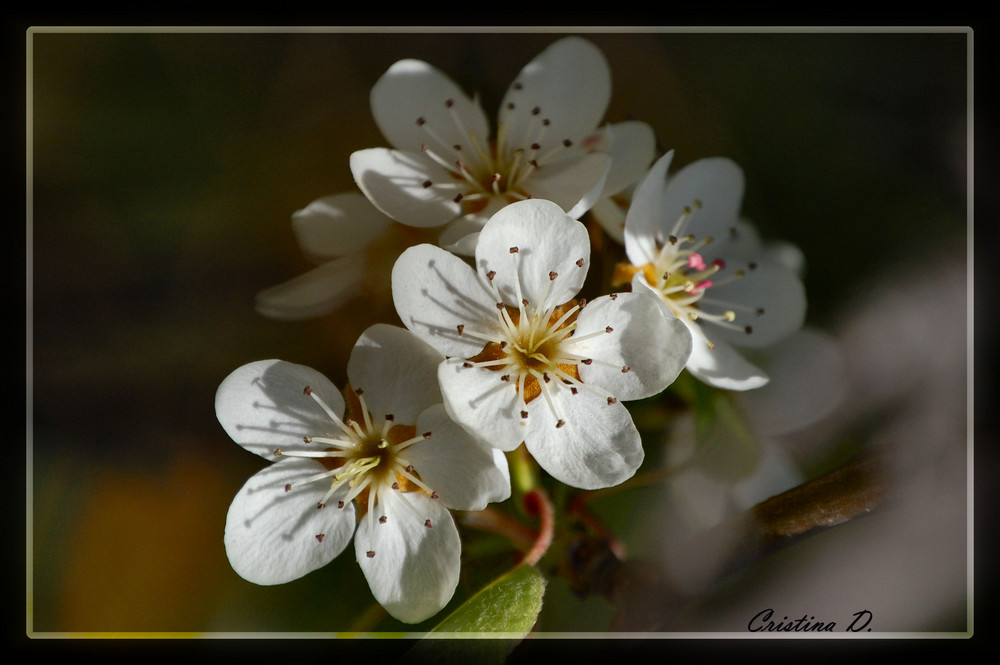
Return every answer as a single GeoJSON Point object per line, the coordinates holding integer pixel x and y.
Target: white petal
{"type": "Point", "coordinates": [575, 185]}
{"type": "Point", "coordinates": [633, 147]}
{"type": "Point", "coordinates": [716, 183]}
{"type": "Point", "coordinates": [338, 225]}
{"type": "Point", "coordinates": [415, 568]}
{"type": "Point", "coordinates": [478, 400]}
{"type": "Point", "coordinates": [461, 235]}
{"type": "Point", "coordinates": [397, 372]}
{"type": "Point", "coordinates": [412, 89]}
{"type": "Point", "coordinates": [273, 536]}
{"type": "Point", "coordinates": [775, 291]}
{"type": "Point", "coordinates": [570, 84]}
{"type": "Point", "coordinates": [598, 446]}
{"type": "Point", "coordinates": [645, 216]}
{"type": "Point", "coordinates": [315, 293]}
{"type": "Point", "coordinates": [547, 240]}
{"type": "Point", "coordinates": [396, 183]}
{"type": "Point", "coordinates": [655, 346]}
{"type": "Point", "coordinates": [723, 367]}
{"type": "Point", "coordinates": [611, 216]}
{"type": "Point", "coordinates": [465, 472]}
{"type": "Point", "coordinates": [261, 405]}
{"type": "Point", "coordinates": [434, 292]}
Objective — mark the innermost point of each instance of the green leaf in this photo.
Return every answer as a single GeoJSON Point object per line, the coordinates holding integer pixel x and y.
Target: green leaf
{"type": "Point", "coordinates": [498, 617]}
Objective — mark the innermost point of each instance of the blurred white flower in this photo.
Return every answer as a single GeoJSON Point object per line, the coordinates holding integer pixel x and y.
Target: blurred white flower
{"type": "Point", "coordinates": [347, 237]}
{"type": "Point", "coordinates": [443, 167]}
{"type": "Point", "coordinates": [527, 361]}
{"type": "Point", "coordinates": [687, 246]}
{"type": "Point", "coordinates": [393, 466]}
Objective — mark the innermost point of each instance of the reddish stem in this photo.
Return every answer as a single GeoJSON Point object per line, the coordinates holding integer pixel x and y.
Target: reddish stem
{"type": "Point", "coordinates": [537, 502]}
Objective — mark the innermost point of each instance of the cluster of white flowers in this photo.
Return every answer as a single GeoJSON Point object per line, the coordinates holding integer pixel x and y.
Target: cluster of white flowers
{"type": "Point", "coordinates": [498, 349]}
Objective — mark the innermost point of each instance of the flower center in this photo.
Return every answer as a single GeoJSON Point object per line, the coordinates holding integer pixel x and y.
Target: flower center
{"type": "Point", "coordinates": [482, 170]}
{"type": "Point", "coordinates": [531, 347]}
{"type": "Point", "coordinates": [683, 280]}
{"type": "Point", "coordinates": [364, 455]}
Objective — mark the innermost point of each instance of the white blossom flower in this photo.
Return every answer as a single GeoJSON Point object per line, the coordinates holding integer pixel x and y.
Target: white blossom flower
{"type": "Point", "coordinates": [527, 361]}
{"type": "Point", "coordinates": [392, 465]}
{"type": "Point", "coordinates": [443, 167]}
{"type": "Point", "coordinates": [687, 245]}
{"type": "Point", "coordinates": [348, 238]}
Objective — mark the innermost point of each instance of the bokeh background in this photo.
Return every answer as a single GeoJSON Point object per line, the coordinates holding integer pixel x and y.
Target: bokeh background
{"type": "Point", "coordinates": [165, 166]}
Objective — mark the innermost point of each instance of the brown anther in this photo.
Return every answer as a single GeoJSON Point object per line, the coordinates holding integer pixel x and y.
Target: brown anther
{"type": "Point", "coordinates": [307, 390]}
{"type": "Point", "coordinates": [370, 554]}
{"type": "Point", "coordinates": [587, 361]}
{"type": "Point", "coordinates": [277, 452]}
{"type": "Point", "coordinates": [421, 121]}
{"type": "Point", "coordinates": [500, 305]}
{"type": "Point", "coordinates": [382, 519]}
{"type": "Point", "coordinates": [320, 506]}
{"type": "Point", "coordinates": [340, 504]}
{"type": "Point", "coordinates": [609, 330]}
{"type": "Point", "coordinates": [395, 486]}
{"type": "Point", "coordinates": [307, 439]}
{"type": "Point", "coordinates": [460, 327]}
{"type": "Point", "coordinates": [560, 423]}
{"type": "Point", "coordinates": [319, 537]}
{"type": "Point", "coordinates": [503, 344]}
{"type": "Point", "coordinates": [426, 183]}
{"type": "Point", "coordinates": [359, 391]}
{"type": "Point", "coordinates": [505, 377]}
{"type": "Point", "coordinates": [467, 365]}
{"type": "Point", "coordinates": [518, 85]}
{"type": "Point", "coordinates": [552, 275]}
{"type": "Point", "coordinates": [748, 330]}
{"type": "Point", "coordinates": [491, 274]}
{"type": "Point", "coordinates": [579, 263]}
{"type": "Point", "coordinates": [510, 106]}
{"type": "Point", "coordinates": [534, 162]}
{"type": "Point", "coordinates": [524, 414]}
{"type": "Point", "coordinates": [456, 147]}
{"type": "Point", "coordinates": [582, 303]}
{"type": "Point", "coordinates": [409, 468]}
{"type": "Point", "coordinates": [626, 369]}
{"type": "Point", "coordinates": [513, 250]}
{"type": "Point", "coordinates": [567, 143]}
{"type": "Point", "coordinates": [448, 103]}
{"type": "Point", "coordinates": [427, 523]}
{"type": "Point", "coordinates": [573, 390]}
{"type": "Point", "coordinates": [536, 111]}
{"type": "Point", "coordinates": [760, 311]}
{"type": "Point", "coordinates": [613, 296]}
{"type": "Point", "coordinates": [611, 400]}
{"type": "Point", "coordinates": [458, 198]}
{"type": "Point", "coordinates": [390, 417]}
{"type": "Point", "coordinates": [288, 488]}
{"type": "Point", "coordinates": [426, 435]}
{"type": "Point", "coordinates": [536, 146]}
{"type": "Point", "coordinates": [435, 495]}
{"type": "Point", "coordinates": [524, 301]}
{"type": "Point", "coordinates": [546, 122]}
{"type": "Point", "coordinates": [546, 378]}
{"type": "Point", "coordinates": [752, 265]}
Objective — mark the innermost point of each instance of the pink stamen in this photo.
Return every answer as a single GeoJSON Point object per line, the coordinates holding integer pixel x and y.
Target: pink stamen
{"type": "Point", "coordinates": [695, 261]}
{"type": "Point", "coordinates": [700, 286]}
{"type": "Point", "coordinates": [719, 263]}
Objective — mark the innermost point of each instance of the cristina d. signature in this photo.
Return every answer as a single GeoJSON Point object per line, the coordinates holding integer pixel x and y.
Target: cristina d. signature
{"type": "Point", "coordinates": [762, 622]}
